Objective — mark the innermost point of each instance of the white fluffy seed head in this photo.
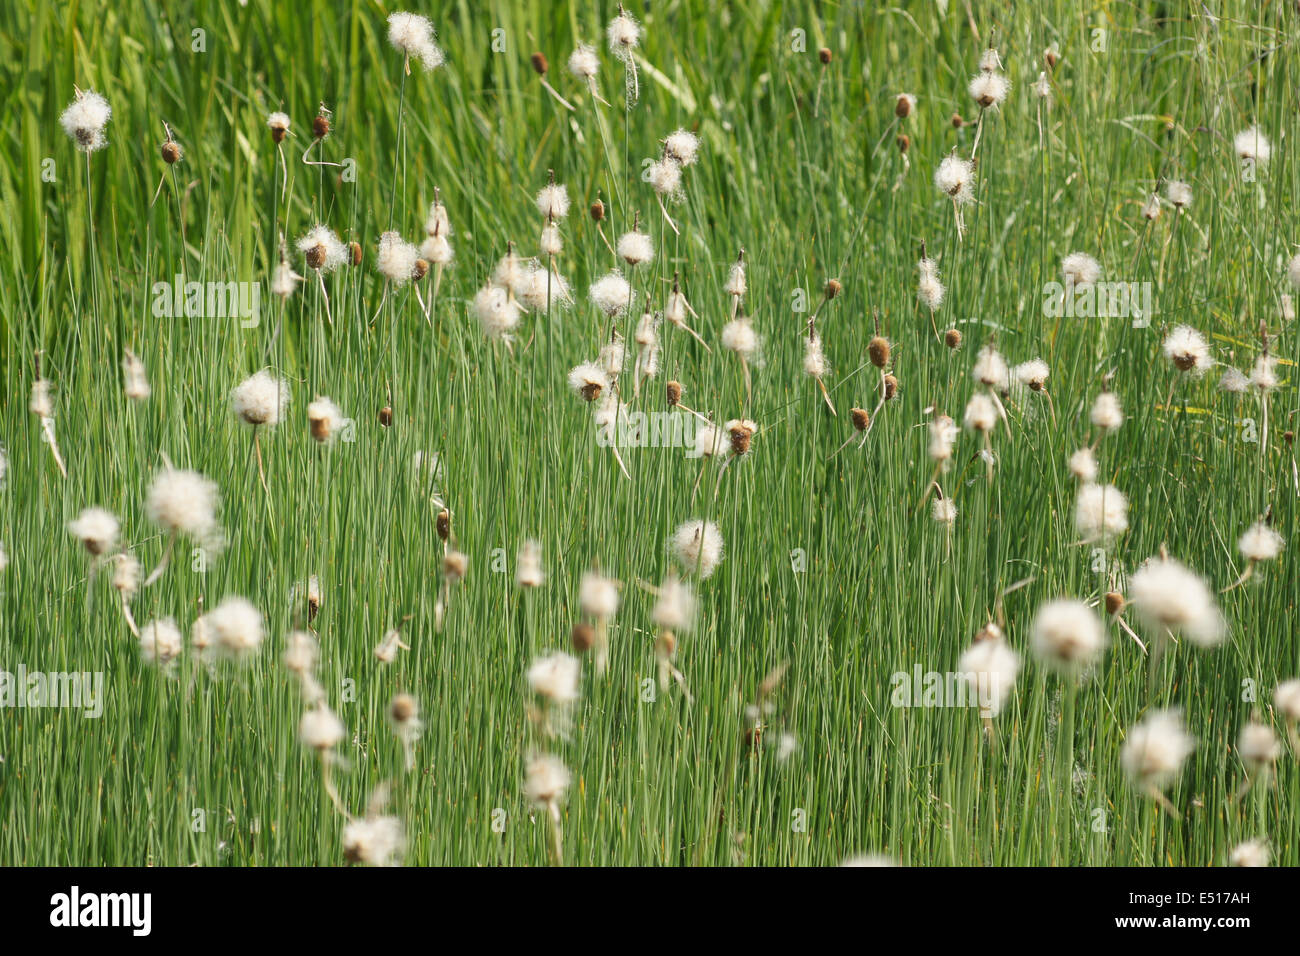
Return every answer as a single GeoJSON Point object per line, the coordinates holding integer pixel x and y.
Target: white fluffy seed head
{"type": "Point", "coordinates": [1100, 512]}
{"type": "Point", "coordinates": [989, 88]}
{"type": "Point", "coordinates": [1151, 208]}
{"type": "Point", "coordinates": [278, 122]}
{"type": "Point", "coordinates": [682, 147]}
{"type": "Point", "coordinates": [1067, 636]}
{"type": "Point", "coordinates": [41, 402]}
{"type": "Point", "coordinates": [553, 201]}
{"type": "Point", "coordinates": [183, 502]}
{"type": "Point", "coordinates": [929, 290]}
{"type": "Point", "coordinates": [437, 251]}
{"type": "Point", "coordinates": [1173, 599]}
{"type": "Point", "coordinates": [1251, 144]}
{"type": "Point", "coordinates": [598, 596]}
{"type": "Point", "coordinates": [397, 258]}
{"type": "Point", "coordinates": [623, 35]}
{"type": "Point", "coordinates": [236, 628]}
{"type": "Point", "coordinates": [555, 677]}
{"type": "Point", "coordinates": [1258, 745]}
{"type": "Point", "coordinates": [1083, 465]}
{"type": "Point", "coordinates": [412, 35]}
{"type": "Point", "coordinates": [496, 311]}
{"type": "Point", "coordinates": [160, 641]}
{"type": "Point", "coordinates": [981, 414]}
{"type": "Point", "coordinates": [545, 781]}
{"type": "Point", "coordinates": [675, 609]}
{"type": "Point", "coordinates": [814, 359]}
{"type": "Point", "coordinates": [943, 511]}
{"type": "Point", "coordinates": [1286, 697]}
{"type": "Point", "coordinates": [739, 336]}
{"type": "Point", "coordinates": [1080, 270]}
{"type": "Point", "coordinates": [543, 288]}
{"type": "Point", "coordinates": [551, 243]}
{"type": "Point", "coordinates": [1154, 751]}
{"type": "Point", "coordinates": [737, 283]}
{"type": "Point", "coordinates": [320, 729]}
{"type": "Point", "coordinates": [323, 249]}
{"type": "Point", "coordinates": [990, 668]}
{"type": "Point", "coordinates": [588, 381]}
{"type": "Point", "coordinates": [1032, 374]}
{"type": "Point", "coordinates": [1107, 413]}
{"type": "Point", "coordinates": [301, 651]}
{"type": "Point", "coordinates": [584, 63]}
{"type": "Point", "coordinates": [955, 178]}
{"type": "Point", "coordinates": [378, 841]}
{"type": "Point", "coordinates": [1250, 853]}
{"type": "Point", "coordinates": [1263, 375]}
{"type": "Point", "coordinates": [1187, 349]}
{"type": "Point", "coordinates": [284, 280]}
{"type": "Point", "coordinates": [1178, 193]}
{"type": "Point", "coordinates": [611, 293]}
{"type": "Point", "coordinates": [135, 379]}
{"type": "Point", "coordinates": [1233, 381]}
{"type": "Point", "coordinates": [126, 574]}
{"type": "Point", "coordinates": [324, 418]}
{"type": "Point", "coordinates": [85, 119]}
{"type": "Point", "coordinates": [528, 565]}
{"type": "Point", "coordinates": [1260, 543]}
{"type": "Point", "coordinates": [665, 177]}
{"type": "Point", "coordinates": [943, 435]}
{"type": "Point", "coordinates": [635, 248]}
{"type": "Point", "coordinates": [697, 546]}
{"type": "Point", "coordinates": [96, 529]}
{"type": "Point", "coordinates": [990, 369]}
{"type": "Point", "coordinates": [260, 399]}
{"type": "Point", "coordinates": [1293, 270]}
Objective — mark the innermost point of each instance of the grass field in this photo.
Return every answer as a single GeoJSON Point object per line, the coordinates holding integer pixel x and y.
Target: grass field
{"type": "Point", "coordinates": [783, 742]}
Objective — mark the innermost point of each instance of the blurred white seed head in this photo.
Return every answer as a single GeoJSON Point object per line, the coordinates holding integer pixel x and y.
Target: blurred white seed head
{"type": "Point", "coordinates": [583, 62]}
{"type": "Point", "coordinates": [814, 359]}
{"type": "Point", "coordinates": [301, 651]}
{"type": "Point", "coordinates": [378, 840]}
{"type": "Point", "coordinates": [1286, 697]}
{"type": "Point", "coordinates": [160, 641]}
{"type": "Point", "coordinates": [623, 35]}
{"type": "Point", "coordinates": [1107, 413]}
{"type": "Point", "coordinates": [135, 379]}
{"type": "Point", "coordinates": [737, 283]}
{"type": "Point", "coordinates": [989, 88]}
{"type": "Point", "coordinates": [496, 311]}
{"type": "Point", "coordinates": [665, 177]}
{"type": "Point", "coordinates": [635, 248]}
{"type": "Point", "coordinates": [1100, 512]}
{"type": "Point", "coordinates": [324, 419]}
{"type": "Point", "coordinates": [1178, 193]}
{"type": "Point", "coordinates": [1067, 635]}
{"type": "Point", "coordinates": [981, 414]}
{"type": "Point", "coordinates": [675, 609]}
{"type": "Point", "coordinates": [555, 677]}
{"type": "Point", "coordinates": [551, 243]}
{"type": "Point", "coordinates": [1083, 465]}
{"type": "Point", "coordinates": [1250, 853]}
{"type": "Point", "coordinates": [1080, 270]}
{"type": "Point", "coordinates": [1173, 599]}
{"type": "Point", "coordinates": [944, 511]}
{"type": "Point", "coordinates": [96, 529]}
{"type": "Point", "coordinates": [1154, 751]}
{"type": "Point", "coordinates": [943, 435]}
{"type": "Point", "coordinates": [739, 336]}
{"type": "Point", "coordinates": [990, 668]}
{"type": "Point", "coordinates": [1032, 374]}
{"type": "Point", "coordinates": [41, 402]}
{"type": "Point", "coordinates": [528, 565]}
{"type": "Point", "coordinates": [588, 381]}
{"type": "Point", "coordinates": [320, 729]}
{"type": "Point", "coordinates": [1251, 144]}
{"type": "Point", "coordinates": [929, 290]}
{"type": "Point", "coordinates": [682, 147]}
{"type": "Point", "coordinates": [1234, 381]}
{"type": "Point", "coordinates": [236, 627]}
{"type": "Point", "coordinates": [436, 250]}
{"type": "Point", "coordinates": [545, 780]}
{"type": "Point", "coordinates": [1260, 543]}
{"type": "Point", "coordinates": [1151, 208]}
{"type": "Point", "coordinates": [126, 574]}
{"type": "Point", "coordinates": [1263, 375]}
{"type": "Point", "coordinates": [183, 502]}
{"type": "Point", "coordinates": [598, 596]}
{"type": "Point", "coordinates": [991, 369]}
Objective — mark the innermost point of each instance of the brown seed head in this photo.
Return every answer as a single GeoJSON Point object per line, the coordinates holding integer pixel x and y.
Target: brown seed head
{"type": "Point", "coordinates": [674, 390]}
{"type": "Point", "coordinates": [952, 338]}
{"type": "Point", "coordinates": [833, 288]}
{"type": "Point", "coordinates": [583, 637]}
{"type": "Point", "coordinates": [538, 60]}
{"type": "Point", "coordinates": [1114, 602]}
{"type": "Point", "coordinates": [666, 644]}
{"type": "Point", "coordinates": [891, 387]}
{"type": "Point", "coordinates": [386, 416]}
{"type": "Point", "coordinates": [957, 121]}
{"type": "Point", "coordinates": [741, 436]}
{"type": "Point", "coordinates": [904, 143]}
{"type": "Point", "coordinates": [861, 418]}
{"type": "Point", "coordinates": [320, 126]}
{"type": "Point", "coordinates": [878, 351]}
{"type": "Point", "coordinates": [171, 152]}
{"type": "Point", "coordinates": [903, 106]}
{"type": "Point", "coordinates": [278, 133]}
{"type": "Point", "coordinates": [590, 392]}
{"type": "Point", "coordinates": [824, 54]}
{"type": "Point", "coordinates": [320, 429]}
{"type": "Point", "coordinates": [402, 709]}
{"type": "Point", "coordinates": [354, 253]}
{"type": "Point", "coordinates": [421, 270]}
{"type": "Point", "coordinates": [1288, 437]}
{"type": "Point", "coordinates": [444, 524]}
{"type": "Point", "coordinates": [316, 256]}
{"type": "Point", "coordinates": [597, 210]}
{"type": "Point", "coordinates": [1184, 363]}
{"type": "Point", "coordinates": [1050, 58]}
